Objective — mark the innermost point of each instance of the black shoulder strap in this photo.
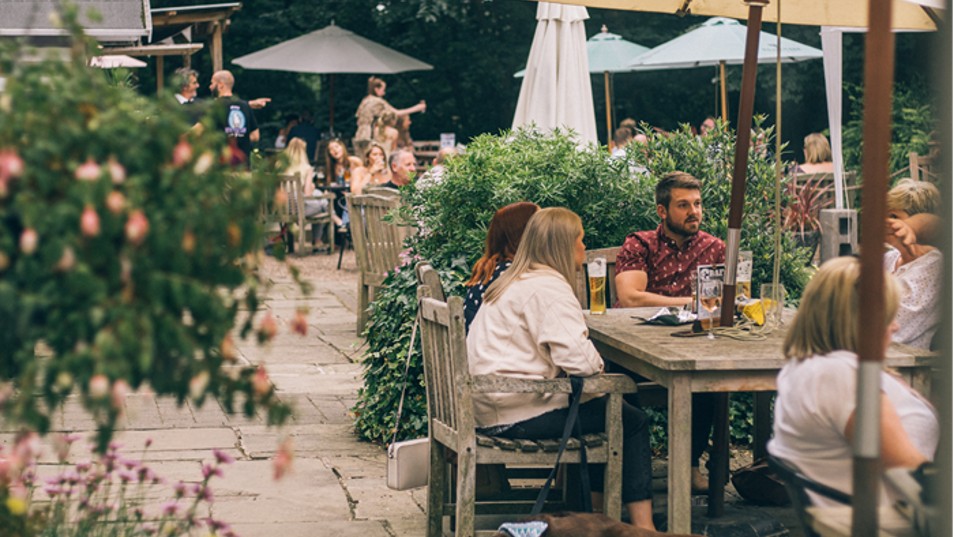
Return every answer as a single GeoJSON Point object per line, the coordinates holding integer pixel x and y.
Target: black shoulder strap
{"type": "Point", "coordinates": [572, 424]}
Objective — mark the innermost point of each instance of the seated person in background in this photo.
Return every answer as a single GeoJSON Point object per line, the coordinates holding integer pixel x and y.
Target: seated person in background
{"type": "Point", "coordinates": [298, 164]}
{"type": "Point", "coordinates": [708, 125]}
{"type": "Point", "coordinates": [503, 237]}
{"type": "Point", "coordinates": [306, 130]}
{"type": "Point", "coordinates": [621, 138]}
{"type": "Point", "coordinates": [815, 408]}
{"type": "Point", "coordinates": [531, 326]}
{"type": "Point", "coordinates": [435, 174]}
{"type": "Point", "coordinates": [281, 140]}
{"type": "Point", "coordinates": [656, 268]}
{"type": "Point", "coordinates": [917, 267]}
{"type": "Point", "coordinates": [817, 155]}
{"type": "Point", "coordinates": [375, 171]}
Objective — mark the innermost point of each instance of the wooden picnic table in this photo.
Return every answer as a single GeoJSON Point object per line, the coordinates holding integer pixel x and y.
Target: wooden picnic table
{"type": "Point", "coordinates": [697, 364]}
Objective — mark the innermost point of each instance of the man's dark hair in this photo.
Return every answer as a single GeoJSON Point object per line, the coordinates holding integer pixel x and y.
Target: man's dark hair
{"type": "Point", "coordinates": [622, 136]}
{"type": "Point", "coordinates": [674, 180]}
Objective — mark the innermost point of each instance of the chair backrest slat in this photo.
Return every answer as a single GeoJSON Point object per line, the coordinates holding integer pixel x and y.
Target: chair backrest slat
{"type": "Point", "coordinates": [377, 242]}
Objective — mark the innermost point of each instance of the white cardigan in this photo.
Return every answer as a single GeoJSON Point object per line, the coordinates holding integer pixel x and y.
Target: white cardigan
{"type": "Point", "coordinates": [535, 329]}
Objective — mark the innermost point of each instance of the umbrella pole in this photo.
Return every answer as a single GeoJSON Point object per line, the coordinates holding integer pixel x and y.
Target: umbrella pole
{"type": "Point", "coordinates": [331, 104]}
{"type": "Point", "coordinates": [609, 111]}
{"type": "Point", "coordinates": [866, 472]}
{"type": "Point", "coordinates": [742, 139]}
{"type": "Point", "coordinates": [725, 108]}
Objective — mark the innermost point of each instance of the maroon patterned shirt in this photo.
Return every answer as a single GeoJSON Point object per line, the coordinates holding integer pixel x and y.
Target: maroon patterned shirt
{"type": "Point", "coordinates": [667, 267]}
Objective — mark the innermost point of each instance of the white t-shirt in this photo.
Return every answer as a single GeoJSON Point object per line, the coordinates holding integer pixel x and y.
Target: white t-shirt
{"type": "Point", "coordinates": [920, 281]}
{"type": "Point", "coordinates": [816, 396]}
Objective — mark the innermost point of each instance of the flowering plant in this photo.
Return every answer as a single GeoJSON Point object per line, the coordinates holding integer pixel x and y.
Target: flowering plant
{"type": "Point", "coordinates": [127, 249]}
{"type": "Point", "coordinates": [104, 496]}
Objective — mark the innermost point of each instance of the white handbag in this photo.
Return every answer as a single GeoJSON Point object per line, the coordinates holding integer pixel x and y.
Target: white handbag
{"type": "Point", "coordinates": [409, 460]}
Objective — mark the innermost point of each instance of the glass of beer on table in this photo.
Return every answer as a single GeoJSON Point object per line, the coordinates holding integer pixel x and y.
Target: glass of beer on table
{"type": "Point", "coordinates": [596, 271]}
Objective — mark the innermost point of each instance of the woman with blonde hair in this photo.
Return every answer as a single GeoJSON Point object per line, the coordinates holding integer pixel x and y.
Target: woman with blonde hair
{"type": "Point", "coordinates": [386, 132]}
{"type": "Point", "coordinates": [297, 155]}
{"type": "Point", "coordinates": [374, 172]}
{"type": "Point", "coordinates": [817, 155]}
{"type": "Point", "coordinates": [531, 326]}
{"type": "Point", "coordinates": [815, 408]}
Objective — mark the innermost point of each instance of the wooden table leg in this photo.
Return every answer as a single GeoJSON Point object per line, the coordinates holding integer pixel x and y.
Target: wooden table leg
{"type": "Point", "coordinates": [680, 447]}
{"type": "Point", "coordinates": [719, 456]}
{"type": "Point", "coordinates": [762, 428]}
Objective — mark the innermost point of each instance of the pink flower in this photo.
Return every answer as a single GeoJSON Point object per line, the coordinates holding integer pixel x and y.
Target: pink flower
{"type": "Point", "coordinates": [89, 222]}
{"type": "Point", "coordinates": [170, 508]}
{"type": "Point", "coordinates": [222, 457]}
{"type": "Point", "coordinates": [268, 328]}
{"type": "Point", "coordinates": [209, 470]}
{"type": "Point", "coordinates": [28, 241]}
{"type": "Point", "coordinates": [299, 323]}
{"type": "Point", "coordinates": [137, 226]}
{"type": "Point", "coordinates": [98, 386]}
{"type": "Point", "coordinates": [88, 171]}
{"type": "Point", "coordinates": [281, 197]}
{"type": "Point", "coordinates": [229, 353]}
{"type": "Point", "coordinates": [120, 391]}
{"type": "Point", "coordinates": [283, 458]}
{"type": "Point", "coordinates": [260, 383]}
{"type": "Point", "coordinates": [115, 202]}
{"type": "Point", "coordinates": [179, 489]}
{"type": "Point", "coordinates": [181, 153]}
{"type": "Point", "coordinates": [61, 445]}
{"type": "Point", "coordinates": [11, 165]}
{"type": "Point", "coordinates": [67, 260]}
{"type": "Point", "coordinates": [116, 171]}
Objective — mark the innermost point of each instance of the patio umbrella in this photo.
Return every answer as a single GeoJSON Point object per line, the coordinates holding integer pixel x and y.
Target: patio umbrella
{"type": "Point", "coordinates": [114, 61]}
{"type": "Point", "coordinates": [720, 41]}
{"type": "Point", "coordinates": [329, 51]}
{"type": "Point", "coordinates": [556, 90]}
{"type": "Point", "coordinates": [879, 16]}
{"type": "Point", "coordinates": [608, 53]}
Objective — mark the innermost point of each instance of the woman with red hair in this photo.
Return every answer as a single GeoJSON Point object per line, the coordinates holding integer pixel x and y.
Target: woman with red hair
{"type": "Point", "coordinates": [503, 237]}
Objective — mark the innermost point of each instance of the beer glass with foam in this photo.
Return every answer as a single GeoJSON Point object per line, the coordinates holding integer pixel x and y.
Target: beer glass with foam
{"type": "Point", "coordinates": [596, 271]}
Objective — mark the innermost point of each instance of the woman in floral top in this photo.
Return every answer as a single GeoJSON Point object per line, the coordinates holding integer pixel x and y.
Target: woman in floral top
{"type": "Point", "coordinates": [371, 108]}
{"type": "Point", "coordinates": [503, 237]}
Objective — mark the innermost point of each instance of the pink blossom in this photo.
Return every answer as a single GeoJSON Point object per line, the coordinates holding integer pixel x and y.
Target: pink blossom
{"type": "Point", "coordinates": [283, 458]}
{"type": "Point", "coordinates": [67, 260]}
{"type": "Point", "coordinates": [260, 383]}
{"type": "Point", "coordinates": [98, 386]}
{"type": "Point", "coordinates": [281, 197]}
{"type": "Point", "coordinates": [170, 508]}
{"type": "Point", "coordinates": [299, 323]}
{"type": "Point", "coordinates": [116, 171]}
{"type": "Point", "coordinates": [61, 446]}
{"type": "Point", "coordinates": [222, 457]}
{"type": "Point", "coordinates": [120, 391]}
{"type": "Point", "coordinates": [88, 171]}
{"type": "Point", "coordinates": [229, 353]}
{"type": "Point", "coordinates": [137, 226]}
{"type": "Point", "coordinates": [208, 470]}
{"type": "Point", "coordinates": [115, 202]}
{"type": "Point", "coordinates": [11, 165]}
{"type": "Point", "coordinates": [181, 153]}
{"type": "Point", "coordinates": [28, 241]}
{"type": "Point", "coordinates": [89, 222]}
{"type": "Point", "coordinates": [268, 328]}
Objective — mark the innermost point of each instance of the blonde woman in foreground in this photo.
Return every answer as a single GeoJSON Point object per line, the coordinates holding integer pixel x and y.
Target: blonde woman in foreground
{"type": "Point", "coordinates": [531, 326]}
{"type": "Point", "coordinates": [815, 408]}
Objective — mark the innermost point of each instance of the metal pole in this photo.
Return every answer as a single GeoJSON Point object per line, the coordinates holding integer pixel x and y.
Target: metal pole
{"type": "Point", "coordinates": [742, 140]}
{"type": "Point", "coordinates": [331, 104]}
{"type": "Point", "coordinates": [879, 70]}
{"type": "Point", "coordinates": [609, 110]}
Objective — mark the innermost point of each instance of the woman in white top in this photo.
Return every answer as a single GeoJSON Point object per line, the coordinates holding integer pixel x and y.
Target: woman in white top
{"type": "Point", "coordinates": [917, 267]}
{"type": "Point", "coordinates": [531, 326]}
{"type": "Point", "coordinates": [815, 408]}
{"type": "Point", "coordinates": [298, 164]}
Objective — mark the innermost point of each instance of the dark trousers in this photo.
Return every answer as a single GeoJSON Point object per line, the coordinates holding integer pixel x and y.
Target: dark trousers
{"type": "Point", "coordinates": [637, 459]}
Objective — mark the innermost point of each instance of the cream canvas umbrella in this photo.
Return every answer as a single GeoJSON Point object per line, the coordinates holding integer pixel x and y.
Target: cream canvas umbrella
{"type": "Point", "coordinates": [608, 53]}
{"type": "Point", "coordinates": [880, 17]}
{"type": "Point", "coordinates": [331, 50]}
{"type": "Point", "coordinates": [719, 42]}
{"type": "Point", "coordinates": [113, 61]}
{"type": "Point", "coordinates": [556, 90]}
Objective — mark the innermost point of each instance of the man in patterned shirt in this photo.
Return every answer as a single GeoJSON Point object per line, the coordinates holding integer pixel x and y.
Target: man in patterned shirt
{"type": "Point", "coordinates": [655, 268]}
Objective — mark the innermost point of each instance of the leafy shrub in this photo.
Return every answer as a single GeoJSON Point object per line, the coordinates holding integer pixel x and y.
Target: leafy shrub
{"type": "Point", "coordinates": [550, 170]}
{"type": "Point", "coordinates": [127, 249]}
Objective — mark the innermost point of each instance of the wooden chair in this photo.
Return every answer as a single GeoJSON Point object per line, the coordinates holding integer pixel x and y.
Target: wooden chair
{"type": "Point", "coordinates": [582, 281]}
{"type": "Point", "coordinates": [425, 151]}
{"type": "Point", "coordinates": [452, 429]}
{"type": "Point", "coordinates": [824, 184]}
{"type": "Point", "coordinates": [923, 167]}
{"type": "Point", "coordinates": [289, 213]}
{"type": "Point", "coordinates": [377, 244]}
{"type": "Point", "coordinates": [798, 484]}
{"type": "Point", "coordinates": [325, 219]}
{"type": "Point", "coordinates": [382, 191]}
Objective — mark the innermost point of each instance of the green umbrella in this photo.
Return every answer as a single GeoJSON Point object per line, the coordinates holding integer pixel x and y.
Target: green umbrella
{"type": "Point", "coordinates": [608, 53]}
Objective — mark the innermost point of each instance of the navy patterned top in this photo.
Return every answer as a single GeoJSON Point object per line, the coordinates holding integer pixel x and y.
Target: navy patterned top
{"type": "Point", "coordinates": [475, 294]}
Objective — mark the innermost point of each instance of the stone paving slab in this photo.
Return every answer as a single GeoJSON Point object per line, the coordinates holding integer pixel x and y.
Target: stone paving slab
{"type": "Point", "coordinates": [352, 528]}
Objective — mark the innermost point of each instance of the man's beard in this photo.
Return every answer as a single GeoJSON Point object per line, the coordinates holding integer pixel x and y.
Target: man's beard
{"type": "Point", "coordinates": [680, 229]}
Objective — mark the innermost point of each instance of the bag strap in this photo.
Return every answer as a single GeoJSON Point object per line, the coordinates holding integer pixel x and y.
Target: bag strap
{"type": "Point", "coordinates": [576, 385]}
{"type": "Point", "coordinates": [407, 369]}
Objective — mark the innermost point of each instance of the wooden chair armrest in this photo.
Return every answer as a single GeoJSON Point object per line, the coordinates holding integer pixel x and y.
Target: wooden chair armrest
{"type": "Point", "coordinates": [609, 383]}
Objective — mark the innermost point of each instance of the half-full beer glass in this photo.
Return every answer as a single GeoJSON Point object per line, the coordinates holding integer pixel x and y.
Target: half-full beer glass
{"type": "Point", "coordinates": [596, 270]}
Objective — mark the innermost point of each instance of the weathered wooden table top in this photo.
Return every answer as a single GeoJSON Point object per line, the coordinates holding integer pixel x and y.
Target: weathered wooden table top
{"type": "Point", "coordinates": [656, 345]}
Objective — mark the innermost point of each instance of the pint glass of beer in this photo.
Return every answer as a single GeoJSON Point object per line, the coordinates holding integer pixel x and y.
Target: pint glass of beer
{"type": "Point", "coordinates": [597, 276]}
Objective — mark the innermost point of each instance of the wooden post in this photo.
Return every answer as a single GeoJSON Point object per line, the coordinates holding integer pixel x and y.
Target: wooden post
{"type": "Point", "coordinates": [187, 60]}
{"type": "Point", "coordinates": [216, 46]}
{"type": "Point", "coordinates": [331, 104]}
{"type": "Point", "coordinates": [609, 109]}
{"type": "Point", "coordinates": [160, 74]}
{"type": "Point", "coordinates": [725, 106]}
{"type": "Point", "coordinates": [879, 70]}
{"type": "Point", "coordinates": [742, 139]}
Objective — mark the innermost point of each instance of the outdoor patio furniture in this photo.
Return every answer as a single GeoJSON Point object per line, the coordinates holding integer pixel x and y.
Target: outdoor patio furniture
{"type": "Point", "coordinates": [452, 429]}
{"type": "Point", "coordinates": [923, 167]}
{"type": "Point", "coordinates": [798, 484]}
{"type": "Point", "coordinates": [582, 285]}
{"type": "Point", "coordinates": [425, 151]}
{"type": "Point", "coordinates": [292, 212]}
{"type": "Point", "coordinates": [377, 244]}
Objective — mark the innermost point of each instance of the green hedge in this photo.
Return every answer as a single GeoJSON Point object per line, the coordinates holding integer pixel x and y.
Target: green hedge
{"type": "Point", "coordinates": [549, 169]}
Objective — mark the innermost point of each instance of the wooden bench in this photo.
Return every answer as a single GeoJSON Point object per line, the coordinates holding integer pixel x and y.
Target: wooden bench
{"type": "Point", "coordinates": [377, 245]}
{"type": "Point", "coordinates": [452, 429]}
{"type": "Point", "coordinates": [292, 212]}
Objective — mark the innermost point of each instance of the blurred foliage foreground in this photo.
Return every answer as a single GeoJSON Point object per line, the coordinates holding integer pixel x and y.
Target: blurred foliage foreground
{"type": "Point", "coordinates": [613, 196]}
{"type": "Point", "coordinates": [127, 250]}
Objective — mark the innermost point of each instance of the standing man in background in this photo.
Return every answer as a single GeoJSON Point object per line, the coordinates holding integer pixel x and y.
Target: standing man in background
{"type": "Point", "coordinates": [235, 116]}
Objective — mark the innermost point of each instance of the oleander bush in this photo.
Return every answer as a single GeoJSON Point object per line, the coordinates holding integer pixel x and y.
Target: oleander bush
{"type": "Point", "coordinates": [127, 249]}
{"type": "Point", "coordinates": [612, 197]}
